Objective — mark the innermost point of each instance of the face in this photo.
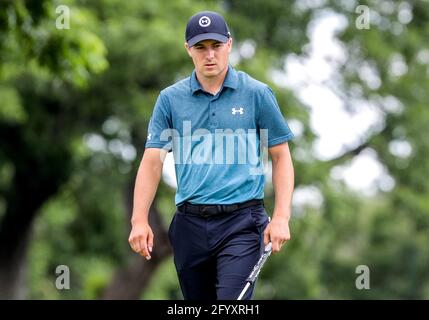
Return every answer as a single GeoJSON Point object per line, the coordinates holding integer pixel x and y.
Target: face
{"type": "Point", "coordinates": [210, 57]}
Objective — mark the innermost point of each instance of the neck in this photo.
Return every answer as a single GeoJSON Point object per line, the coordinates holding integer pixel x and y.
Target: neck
{"type": "Point", "coordinates": [212, 84]}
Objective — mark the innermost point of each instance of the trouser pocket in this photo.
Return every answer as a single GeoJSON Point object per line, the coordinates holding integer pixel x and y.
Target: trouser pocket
{"type": "Point", "coordinates": [259, 217]}
{"type": "Point", "coordinates": [171, 228]}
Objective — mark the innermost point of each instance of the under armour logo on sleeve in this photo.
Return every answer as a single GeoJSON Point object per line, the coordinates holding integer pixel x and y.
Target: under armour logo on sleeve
{"type": "Point", "coordinates": [234, 110]}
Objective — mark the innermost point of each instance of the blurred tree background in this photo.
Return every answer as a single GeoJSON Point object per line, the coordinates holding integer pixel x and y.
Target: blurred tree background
{"type": "Point", "coordinates": [74, 109]}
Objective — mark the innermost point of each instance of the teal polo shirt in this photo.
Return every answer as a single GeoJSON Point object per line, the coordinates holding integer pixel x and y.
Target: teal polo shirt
{"type": "Point", "coordinates": [218, 141]}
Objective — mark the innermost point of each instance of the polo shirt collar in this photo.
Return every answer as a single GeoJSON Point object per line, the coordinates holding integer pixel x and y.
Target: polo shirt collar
{"type": "Point", "coordinates": [231, 80]}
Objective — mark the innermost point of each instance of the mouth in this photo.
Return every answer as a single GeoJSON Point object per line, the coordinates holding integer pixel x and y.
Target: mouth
{"type": "Point", "coordinates": [209, 65]}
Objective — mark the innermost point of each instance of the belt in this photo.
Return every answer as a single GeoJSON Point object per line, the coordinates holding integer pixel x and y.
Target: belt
{"type": "Point", "coordinates": [208, 210]}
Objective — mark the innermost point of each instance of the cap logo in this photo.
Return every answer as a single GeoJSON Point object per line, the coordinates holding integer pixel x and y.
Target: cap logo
{"type": "Point", "coordinates": [204, 21]}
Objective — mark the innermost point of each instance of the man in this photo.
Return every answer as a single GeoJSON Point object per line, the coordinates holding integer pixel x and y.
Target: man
{"type": "Point", "coordinates": [220, 227]}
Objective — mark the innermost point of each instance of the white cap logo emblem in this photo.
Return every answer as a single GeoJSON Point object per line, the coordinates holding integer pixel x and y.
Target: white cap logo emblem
{"type": "Point", "coordinates": [204, 21]}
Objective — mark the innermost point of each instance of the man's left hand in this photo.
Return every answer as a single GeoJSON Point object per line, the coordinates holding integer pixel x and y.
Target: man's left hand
{"type": "Point", "coordinates": [277, 231]}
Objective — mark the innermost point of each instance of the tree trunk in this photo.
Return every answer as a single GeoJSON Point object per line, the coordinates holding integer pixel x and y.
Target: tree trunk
{"type": "Point", "coordinates": [130, 281]}
{"type": "Point", "coordinates": [23, 203]}
{"type": "Point", "coordinates": [13, 248]}
{"type": "Point", "coordinates": [37, 177]}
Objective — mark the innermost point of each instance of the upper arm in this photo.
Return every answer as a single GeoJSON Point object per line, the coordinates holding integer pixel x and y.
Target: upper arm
{"type": "Point", "coordinates": [154, 158]}
{"type": "Point", "coordinates": [278, 151]}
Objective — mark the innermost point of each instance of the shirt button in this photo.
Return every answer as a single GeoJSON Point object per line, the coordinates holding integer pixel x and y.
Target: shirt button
{"type": "Point", "coordinates": [213, 114]}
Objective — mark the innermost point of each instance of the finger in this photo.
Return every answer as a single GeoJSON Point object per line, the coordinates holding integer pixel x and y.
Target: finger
{"type": "Point", "coordinates": [150, 241]}
{"type": "Point", "coordinates": [143, 248]}
{"type": "Point", "coordinates": [131, 244]}
{"type": "Point", "coordinates": [135, 245]}
{"type": "Point", "coordinates": [276, 246]}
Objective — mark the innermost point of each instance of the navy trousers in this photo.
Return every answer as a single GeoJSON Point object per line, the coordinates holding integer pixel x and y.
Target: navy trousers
{"type": "Point", "coordinates": [214, 255]}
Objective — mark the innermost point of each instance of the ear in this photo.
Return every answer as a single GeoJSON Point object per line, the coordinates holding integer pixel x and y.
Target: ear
{"type": "Point", "coordinates": [188, 49]}
{"type": "Point", "coordinates": [229, 45]}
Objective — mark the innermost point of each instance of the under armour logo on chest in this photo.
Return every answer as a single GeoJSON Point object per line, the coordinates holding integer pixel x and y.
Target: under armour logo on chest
{"type": "Point", "coordinates": [240, 111]}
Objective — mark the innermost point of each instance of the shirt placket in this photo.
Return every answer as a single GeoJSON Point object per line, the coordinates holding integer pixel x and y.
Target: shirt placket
{"type": "Point", "coordinates": [214, 122]}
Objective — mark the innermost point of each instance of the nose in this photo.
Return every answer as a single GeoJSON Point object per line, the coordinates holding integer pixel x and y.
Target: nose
{"type": "Point", "coordinates": [210, 53]}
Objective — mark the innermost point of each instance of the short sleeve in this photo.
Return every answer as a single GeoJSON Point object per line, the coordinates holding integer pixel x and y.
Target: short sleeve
{"type": "Point", "coordinates": [159, 125]}
{"type": "Point", "coordinates": [271, 119]}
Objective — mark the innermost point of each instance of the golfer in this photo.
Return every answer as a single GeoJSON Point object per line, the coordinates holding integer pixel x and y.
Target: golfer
{"type": "Point", "coordinates": [217, 122]}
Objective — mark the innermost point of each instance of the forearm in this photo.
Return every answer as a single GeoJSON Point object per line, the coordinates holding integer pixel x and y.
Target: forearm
{"type": "Point", "coordinates": [146, 184]}
{"type": "Point", "coordinates": [283, 183]}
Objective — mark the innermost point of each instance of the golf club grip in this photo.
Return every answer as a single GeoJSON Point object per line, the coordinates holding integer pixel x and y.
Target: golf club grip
{"type": "Point", "coordinates": [257, 268]}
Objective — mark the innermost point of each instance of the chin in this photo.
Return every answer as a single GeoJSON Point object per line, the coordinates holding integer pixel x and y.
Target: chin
{"type": "Point", "coordinates": [212, 73]}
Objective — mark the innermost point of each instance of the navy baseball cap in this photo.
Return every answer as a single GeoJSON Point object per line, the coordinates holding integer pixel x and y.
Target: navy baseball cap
{"type": "Point", "coordinates": [206, 25]}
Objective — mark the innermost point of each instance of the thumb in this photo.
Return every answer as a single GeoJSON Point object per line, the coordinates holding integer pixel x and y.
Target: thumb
{"type": "Point", "coordinates": [266, 236]}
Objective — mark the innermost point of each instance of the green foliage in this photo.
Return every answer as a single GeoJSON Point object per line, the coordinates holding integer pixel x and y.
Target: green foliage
{"type": "Point", "coordinates": [79, 100]}
{"type": "Point", "coordinates": [164, 284]}
{"type": "Point", "coordinates": [28, 29]}
{"type": "Point", "coordinates": [12, 110]}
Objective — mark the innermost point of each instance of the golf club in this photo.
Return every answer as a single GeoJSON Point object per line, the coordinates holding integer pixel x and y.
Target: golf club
{"type": "Point", "coordinates": [256, 269]}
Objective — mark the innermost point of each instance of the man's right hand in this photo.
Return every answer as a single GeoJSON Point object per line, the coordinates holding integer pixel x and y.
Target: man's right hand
{"type": "Point", "coordinates": [141, 239]}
